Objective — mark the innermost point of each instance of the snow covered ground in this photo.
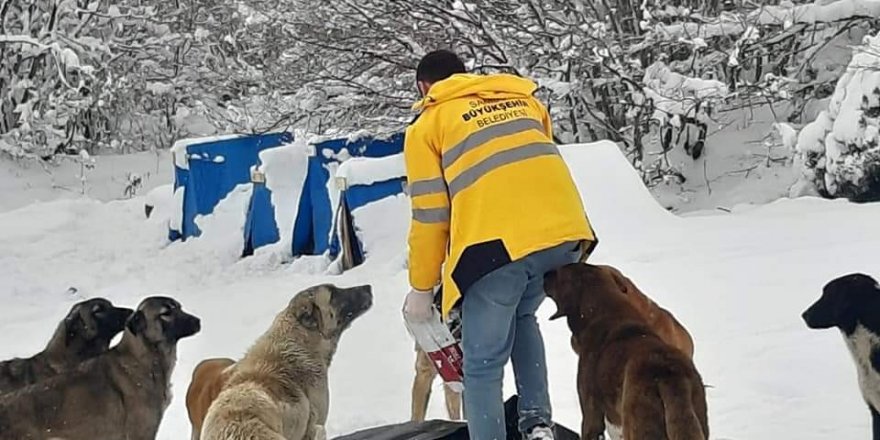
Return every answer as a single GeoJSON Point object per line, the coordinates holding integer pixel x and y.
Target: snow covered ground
{"type": "Point", "coordinates": [27, 181]}
{"type": "Point", "coordinates": [738, 281]}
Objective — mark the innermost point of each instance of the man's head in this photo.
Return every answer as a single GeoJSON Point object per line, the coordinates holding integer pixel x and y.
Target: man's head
{"type": "Point", "coordinates": [437, 66]}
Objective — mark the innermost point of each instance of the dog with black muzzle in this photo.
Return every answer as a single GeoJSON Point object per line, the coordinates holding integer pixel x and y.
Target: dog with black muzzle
{"type": "Point", "coordinates": [84, 333]}
{"type": "Point", "coordinates": [118, 395]}
{"type": "Point", "coordinates": [852, 304]}
{"type": "Point", "coordinates": [279, 389]}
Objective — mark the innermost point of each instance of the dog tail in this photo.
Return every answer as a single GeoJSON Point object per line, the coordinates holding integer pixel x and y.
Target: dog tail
{"type": "Point", "coordinates": [685, 415]}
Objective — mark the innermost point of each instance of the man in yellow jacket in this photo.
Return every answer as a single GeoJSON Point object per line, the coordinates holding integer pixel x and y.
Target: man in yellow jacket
{"type": "Point", "coordinates": [493, 202]}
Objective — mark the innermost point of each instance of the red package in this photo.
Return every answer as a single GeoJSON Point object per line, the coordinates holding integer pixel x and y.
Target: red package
{"type": "Point", "coordinates": [435, 339]}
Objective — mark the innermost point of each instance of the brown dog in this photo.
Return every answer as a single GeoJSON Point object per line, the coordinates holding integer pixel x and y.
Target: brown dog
{"type": "Point", "coordinates": [208, 378]}
{"type": "Point", "coordinates": [84, 333]}
{"type": "Point", "coordinates": [659, 319]}
{"type": "Point", "coordinates": [627, 373]}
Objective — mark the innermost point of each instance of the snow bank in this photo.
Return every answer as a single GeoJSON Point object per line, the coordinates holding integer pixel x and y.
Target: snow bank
{"type": "Point", "coordinates": [161, 202]}
{"type": "Point", "coordinates": [839, 152]}
{"type": "Point", "coordinates": [621, 209]}
{"type": "Point", "coordinates": [25, 181]}
{"type": "Point", "coordinates": [334, 193]}
{"type": "Point", "coordinates": [159, 195]}
{"type": "Point", "coordinates": [178, 149]}
{"type": "Point", "coordinates": [285, 168]}
{"type": "Point", "coordinates": [175, 212]}
{"type": "Point", "coordinates": [369, 170]}
{"type": "Point", "coordinates": [383, 227]}
{"type": "Point", "coordinates": [223, 230]}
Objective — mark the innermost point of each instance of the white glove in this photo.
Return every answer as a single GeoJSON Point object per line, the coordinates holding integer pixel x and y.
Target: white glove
{"type": "Point", "coordinates": [418, 306]}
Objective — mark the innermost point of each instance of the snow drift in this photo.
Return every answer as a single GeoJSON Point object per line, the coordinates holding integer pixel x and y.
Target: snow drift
{"type": "Point", "coordinates": [738, 282]}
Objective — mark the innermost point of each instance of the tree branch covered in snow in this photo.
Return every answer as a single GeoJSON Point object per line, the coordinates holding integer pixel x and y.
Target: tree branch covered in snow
{"type": "Point", "coordinates": [650, 75]}
{"type": "Point", "coordinates": [87, 75]}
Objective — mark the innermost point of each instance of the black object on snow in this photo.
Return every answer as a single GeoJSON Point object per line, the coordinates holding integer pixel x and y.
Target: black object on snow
{"type": "Point", "coordinates": [447, 430]}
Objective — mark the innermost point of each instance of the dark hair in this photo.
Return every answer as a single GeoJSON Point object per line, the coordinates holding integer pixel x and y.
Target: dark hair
{"type": "Point", "coordinates": [439, 65]}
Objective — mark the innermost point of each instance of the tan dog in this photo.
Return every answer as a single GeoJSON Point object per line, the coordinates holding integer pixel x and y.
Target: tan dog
{"type": "Point", "coordinates": [279, 389]}
{"type": "Point", "coordinates": [84, 333]}
{"type": "Point", "coordinates": [421, 390]}
{"type": "Point", "coordinates": [659, 319]}
{"type": "Point", "coordinates": [426, 372]}
{"type": "Point", "coordinates": [119, 395]}
{"type": "Point", "coordinates": [208, 379]}
{"type": "Point", "coordinates": [627, 374]}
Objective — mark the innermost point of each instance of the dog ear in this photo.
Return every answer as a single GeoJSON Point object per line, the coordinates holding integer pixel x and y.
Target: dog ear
{"type": "Point", "coordinates": [559, 314]}
{"type": "Point", "coordinates": [136, 323]}
{"type": "Point", "coordinates": [73, 324]}
{"type": "Point", "coordinates": [308, 316]}
{"type": "Point", "coordinates": [842, 303]}
{"type": "Point", "coordinates": [619, 279]}
{"type": "Point", "coordinates": [845, 314]}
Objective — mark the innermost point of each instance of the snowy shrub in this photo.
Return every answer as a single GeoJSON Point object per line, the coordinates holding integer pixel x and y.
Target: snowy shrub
{"type": "Point", "coordinates": [678, 99]}
{"type": "Point", "coordinates": [839, 152]}
{"type": "Point", "coordinates": [130, 75]}
{"type": "Point", "coordinates": [100, 76]}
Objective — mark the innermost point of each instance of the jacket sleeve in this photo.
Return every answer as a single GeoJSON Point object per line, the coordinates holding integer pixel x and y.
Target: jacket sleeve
{"type": "Point", "coordinates": [429, 225]}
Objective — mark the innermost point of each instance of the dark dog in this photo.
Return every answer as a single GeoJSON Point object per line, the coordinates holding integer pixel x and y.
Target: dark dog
{"type": "Point", "coordinates": [84, 333]}
{"type": "Point", "coordinates": [627, 373]}
{"type": "Point", "coordinates": [852, 304]}
{"type": "Point", "coordinates": [119, 395]}
{"type": "Point", "coordinates": [659, 319]}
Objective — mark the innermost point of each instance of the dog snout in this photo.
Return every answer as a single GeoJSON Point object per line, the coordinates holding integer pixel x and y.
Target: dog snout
{"type": "Point", "coordinates": [815, 317]}
{"type": "Point", "coordinates": [352, 302]}
{"type": "Point", "coordinates": [119, 315]}
{"type": "Point", "coordinates": [367, 297]}
{"type": "Point", "coordinates": [188, 325]}
{"type": "Point", "coordinates": [807, 317]}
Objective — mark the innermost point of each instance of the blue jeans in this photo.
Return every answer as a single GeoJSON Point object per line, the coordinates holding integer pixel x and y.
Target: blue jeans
{"type": "Point", "coordinates": [498, 323]}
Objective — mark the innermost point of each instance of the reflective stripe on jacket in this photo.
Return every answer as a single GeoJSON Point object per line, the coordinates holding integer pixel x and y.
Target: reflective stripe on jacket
{"type": "Point", "coordinates": [486, 182]}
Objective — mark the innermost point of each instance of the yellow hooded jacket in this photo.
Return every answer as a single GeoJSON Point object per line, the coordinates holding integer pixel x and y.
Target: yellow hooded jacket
{"type": "Point", "coordinates": [486, 182]}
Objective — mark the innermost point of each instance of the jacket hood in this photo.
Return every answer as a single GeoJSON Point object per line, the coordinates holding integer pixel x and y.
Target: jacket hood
{"type": "Point", "coordinates": [496, 86]}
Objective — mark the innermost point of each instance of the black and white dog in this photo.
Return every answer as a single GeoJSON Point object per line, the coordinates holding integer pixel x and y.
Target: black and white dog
{"type": "Point", "coordinates": [852, 304]}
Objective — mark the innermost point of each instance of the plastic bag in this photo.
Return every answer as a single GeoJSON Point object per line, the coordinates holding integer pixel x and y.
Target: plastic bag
{"type": "Point", "coordinates": [437, 341]}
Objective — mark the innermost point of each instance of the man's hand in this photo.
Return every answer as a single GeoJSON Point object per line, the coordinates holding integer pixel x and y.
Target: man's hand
{"type": "Point", "coordinates": [418, 305]}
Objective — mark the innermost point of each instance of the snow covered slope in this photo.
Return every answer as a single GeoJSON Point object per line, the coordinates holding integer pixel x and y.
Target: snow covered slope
{"type": "Point", "coordinates": [26, 182]}
{"type": "Point", "coordinates": [738, 281]}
